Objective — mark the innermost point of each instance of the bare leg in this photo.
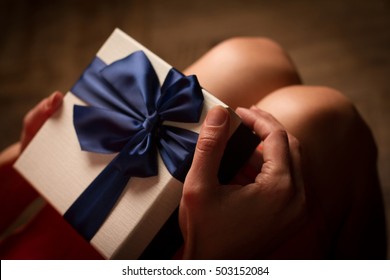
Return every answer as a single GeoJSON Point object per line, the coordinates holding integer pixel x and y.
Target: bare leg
{"type": "Point", "coordinates": [241, 71]}
{"type": "Point", "coordinates": [347, 218]}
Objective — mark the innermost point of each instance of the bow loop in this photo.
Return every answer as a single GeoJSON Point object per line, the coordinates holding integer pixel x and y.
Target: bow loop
{"type": "Point", "coordinates": [135, 81]}
{"type": "Point", "coordinates": [103, 131]}
{"type": "Point", "coordinates": [182, 98]}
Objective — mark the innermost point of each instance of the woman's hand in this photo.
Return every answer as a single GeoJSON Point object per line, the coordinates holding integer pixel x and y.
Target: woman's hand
{"type": "Point", "coordinates": [15, 192]}
{"type": "Point", "coordinates": [37, 116]}
{"type": "Point", "coordinates": [32, 122]}
{"type": "Point", "coordinates": [236, 221]}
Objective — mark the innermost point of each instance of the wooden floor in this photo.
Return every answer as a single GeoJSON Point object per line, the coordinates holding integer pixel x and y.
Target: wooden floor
{"type": "Point", "coordinates": [344, 44]}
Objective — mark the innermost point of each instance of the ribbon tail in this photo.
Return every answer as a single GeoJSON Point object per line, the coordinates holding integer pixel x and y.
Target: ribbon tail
{"type": "Point", "coordinates": [90, 210]}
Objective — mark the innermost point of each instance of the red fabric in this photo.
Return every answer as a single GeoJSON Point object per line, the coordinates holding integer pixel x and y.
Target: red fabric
{"type": "Point", "coordinates": [15, 196]}
{"type": "Point", "coordinates": [47, 237]}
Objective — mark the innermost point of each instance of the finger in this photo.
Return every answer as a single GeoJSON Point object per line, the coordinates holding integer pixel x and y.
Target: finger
{"type": "Point", "coordinates": [256, 160]}
{"type": "Point", "coordinates": [37, 116]}
{"type": "Point", "coordinates": [296, 162]}
{"type": "Point", "coordinates": [276, 154]}
{"type": "Point", "coordinates": [210, 147]}
{"type": "Point", "coordinates": [259, 121]}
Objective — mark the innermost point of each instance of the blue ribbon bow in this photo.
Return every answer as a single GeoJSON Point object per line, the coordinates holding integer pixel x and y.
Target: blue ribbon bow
{"type": "Point", "coordinates": [128, 108]}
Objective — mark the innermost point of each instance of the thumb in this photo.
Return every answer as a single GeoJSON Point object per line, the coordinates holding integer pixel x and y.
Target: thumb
{"type": "Point", "coordinates": [210, 147]}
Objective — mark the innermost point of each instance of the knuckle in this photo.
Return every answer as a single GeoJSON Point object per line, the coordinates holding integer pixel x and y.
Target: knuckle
{"type": "Point", "coordinates": [281, 132]}
{"type": "Point", "coordinates": [302, 202]}
{"type": "Point", "coordinates": [27, 124]}
{"type": "Point", "coordinates": [26, 119]}
{"type": "Point", "coordinates": [291, 195]}
{"type": "Point", "coordinates": [294, 143]}
{"type": "Point", "coordinates": [191, 196]}
{"type": "Point", "coordinates": [286, 186]}
{"type": "Point", "coordinates": [207, 142]}
{"type": "Point", "coordinates": [280, 188]}
{"type": "Point", "coordinates": [301, 208]}
{"type": "Point", "coordinates": [302, 196]}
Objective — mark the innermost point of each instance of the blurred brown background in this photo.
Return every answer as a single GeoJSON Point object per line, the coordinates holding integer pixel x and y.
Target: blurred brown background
{"type": "Point", "coordinates": [44, 45]}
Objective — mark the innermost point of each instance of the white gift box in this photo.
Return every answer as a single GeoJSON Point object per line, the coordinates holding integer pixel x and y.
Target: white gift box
{"type": "Point", "coordinates": [55, 165]}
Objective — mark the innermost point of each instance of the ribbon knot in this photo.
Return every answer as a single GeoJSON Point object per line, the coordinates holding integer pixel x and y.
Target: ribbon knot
{"type": "Point", "coordinates": [126, 116]}
{"type": "Point", "coordinates": [151, 122]}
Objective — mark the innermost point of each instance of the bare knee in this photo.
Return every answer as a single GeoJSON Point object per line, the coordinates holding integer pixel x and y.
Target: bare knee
{"type": "Point", "coordinates": [316, 114]}
{"type": "Point", "coordinates": [247, 49]}
{"type": "Point", "coordinates": [336, 141]}
{"type": "Point", "coordinates": [261, 56]}
{"type": "Point", "coordinates": [242, 70]}
{"type": "Point", "coordinates": [341, 164]}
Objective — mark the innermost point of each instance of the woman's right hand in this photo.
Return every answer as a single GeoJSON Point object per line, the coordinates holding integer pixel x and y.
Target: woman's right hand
{"type": "Point", "coordinates": [236, 221]}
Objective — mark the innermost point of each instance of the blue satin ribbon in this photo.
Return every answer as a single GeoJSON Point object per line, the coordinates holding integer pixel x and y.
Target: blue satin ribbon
{"type": "Point", "coordinates": [126, 116]}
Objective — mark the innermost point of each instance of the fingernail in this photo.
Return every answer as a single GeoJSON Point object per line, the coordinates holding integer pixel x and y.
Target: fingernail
{"type": "Point", "coordinates": [217, 116]}
{"type": "Point", "coordinates": [238, 109]}
{"type": "Point", "coordinates": [254, 107]}
{"type": "Point", "coordinates": [55, 100]}
{"type": "Point", "coordinates": [241, 110]}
